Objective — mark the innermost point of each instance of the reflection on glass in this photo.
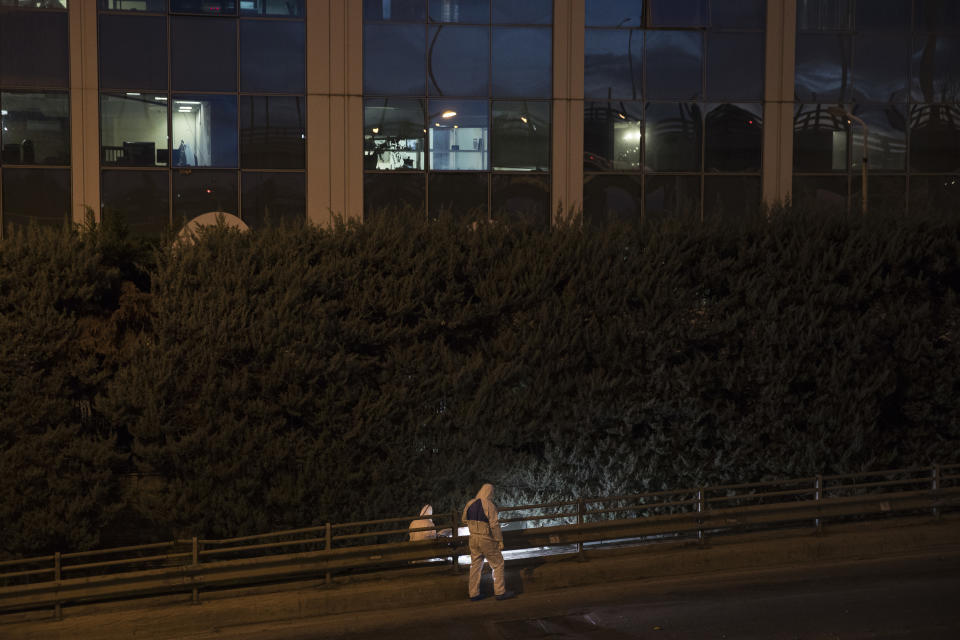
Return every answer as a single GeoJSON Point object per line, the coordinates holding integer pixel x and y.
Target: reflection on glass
{"type": "Point", "coordinates": [273, 8]}
{"type": "Point", "coordinates": [394, 60]}
{"type": "Point", "coordinates": [133, 52]}
{"type": "Point", "coordinates": [934, 193]}
{"type": "Point", "coordinates": [272, 56]}
{"type": "Point", "coordinates": [825, 193]}
{"type": "Point", "coordinates": [880, 66]}
{"type": "Point", "coordinates": [200, 192]}
{"type": "Point", "coordinates": [883, 15]}
{"type": "Point", "coordinates": [473, 11]}
{"type": "Point", "coordinates": [678, 13]}
{"type": "Point", "coordinates": [521, 136]}
{"type": "Point", "coordinates": [203, 54]}
{"type": "Point", "coordinates": [671, 198]}
{"type": "Point", "coordinates": [523, 199]}
{"type": "Point", "coordinates": [521, 62]}
{"type": "Point", "coordinates": [611, 199]}
{"type": "Point", "coordinates": [458, 135]}
{"type": "Point", "coordinates": [738, 14]}
{"type": "Point", "coordinates": [393, 134]}
{"type": "Point", "coordinates": [36, 196]}
{"type": "Point", "coordinates": [458, 61]}
{"type": "Point", "coordinates": [394, 194]}
{"type": "Point", "coordinates": [526, 12]}
{"type": "Point", "coordinates": [935, 137]}
{"type": "Point", "coordinates": [731, 197]}
{"type": "Point", "coordinates": [204, 131]}
{"type": "Point", "coordinates": [22, 61]}
{"type": "Point", "coordinates": [936, 68]}
{"type": "Point", "coordinates": [824, 15]}
{"type": "Point", "coordinates": [823, 67]}
{"type": "Point", "coordinates": [887, 125]}
{"type": "Point", "coordinates": [141, 198]}
{"type": "Point", "coordinates": [614, 13]}
{"type": "Point", "coordinates": [734, 137]}
{"type": "Point", "coordinates": [937, 15]}
{"type": "Point", "coordinates": [674, 65]}
{"type": "Point", "coordinates": [672, 137]}
{"type": "Point", "coordinates": [214, 7]}
{"type": "Point", "coordinates": [35, 4]}
{"type": "Point", "coordinates": [133, 130]}
{"type": "Point", "coordinates": [819, 140]}
{"type": "Point", "coordinates": [735, 66]}
{"type": "Point", "coordinates": [612, 136]}
{"type": "Point", "coordinates": [886, 193]}
{"type": "Point", "coordinates": [35, 128]}
{"type": "Point", "coordinates": [613, 63]}
{"type": "Point", "coordinates": [462, 196]}
{"type": "Point", "coordinates": [273, 199]}
{"type": "Point", "coordinates": [156, 6]}
{"type": "Point", "coordinates": [394, 10]}
{"type": "Point", "coordinates": [272, 134]}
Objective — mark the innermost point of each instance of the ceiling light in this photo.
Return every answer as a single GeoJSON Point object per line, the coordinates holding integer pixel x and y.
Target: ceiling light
{"type": "Point", "coordinates": [449, 113]}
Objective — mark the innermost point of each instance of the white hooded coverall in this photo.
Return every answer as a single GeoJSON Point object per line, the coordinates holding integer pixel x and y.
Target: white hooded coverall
{"type": "Point", "coordinates": [427, 510]}
{"type": "Point", "coordinates": [481, 517]}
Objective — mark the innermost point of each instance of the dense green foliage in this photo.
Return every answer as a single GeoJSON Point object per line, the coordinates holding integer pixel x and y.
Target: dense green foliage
{"type": "Point", "coordinates": [299, 376]}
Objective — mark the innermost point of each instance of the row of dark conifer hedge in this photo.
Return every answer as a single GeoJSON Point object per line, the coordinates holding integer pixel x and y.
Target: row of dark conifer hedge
{"type": "Point", "coordinates": [297, 376]}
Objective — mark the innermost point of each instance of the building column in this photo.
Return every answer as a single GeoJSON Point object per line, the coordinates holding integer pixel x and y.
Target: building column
{"type": "Point", "coordinates": [334, 110]}
{"type": "Point", "coordinates": [778, 100]}
{"type": "Point", "coordinates": [567, 132]}
{"type": "Point", "coordinates": [84, 111]}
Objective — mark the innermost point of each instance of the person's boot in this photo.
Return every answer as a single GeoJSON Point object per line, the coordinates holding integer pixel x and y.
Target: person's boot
{"type": "Point", "coordinates": [506, 595]}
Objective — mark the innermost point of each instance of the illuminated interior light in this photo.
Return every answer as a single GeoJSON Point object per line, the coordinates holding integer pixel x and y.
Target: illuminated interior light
{"type": "Point", "coordinates": [4, 112]}
{"type": "Point", "coordinates": [160, 98]}
{"type": "Point", "coordinates": [456, 126]}
{"type": "Point", "coordinates": [524, 119]}
{"type": "Point", "coordinates": [375, 130]}
{"type": "Point", "coordinates": [622, 117]}
{"type": "Point", "coordinates": [133, 93]}
{"type": "Point", "coordinates": [186, 102]}
{"type": "Point", "coordinates": [448, 114]}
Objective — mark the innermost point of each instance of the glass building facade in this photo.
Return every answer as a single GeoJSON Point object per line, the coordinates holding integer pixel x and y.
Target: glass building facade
{"type": "Point", "coordinates": [626, 110]}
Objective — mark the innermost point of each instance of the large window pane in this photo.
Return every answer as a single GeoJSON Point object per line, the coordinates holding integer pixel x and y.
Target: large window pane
{"type": "Point", "coordinates": [213, 7]}
{"type": "Point", "coordinates": [526, 12]}
{"type": "Point", "coordinates": [133, 130]}
{"type": "Point", "coordinates": [274, 8]}
{"type": "Point", "coordinates": [886, 194]}
{"type": "Point", "coordinates": [824, 15]}
{"type": "Point", "coordinates": [204, 54]}
{"type": "Point", "coordinates": [613, 63]}
{"type": "Point", "coordinates": [272, 56]}
{"type": "Point", "coordinates": [396, 194]}
{"type": "Point", "coordinates": [35, 128]}
{"type": "Point", "coordinates": [609, 199]}
{"type": "Point", "coordinates": [881, 63]}
{"type": "Point", "coordinates": [672, 137]}
{"type": "Point", "coordinates": [272, 133]}
{"type": "Point", "coordinates": [934, 193]}
{"type": "Point", "coordinates": [614, 13]}
{"type": "Point", "coordinates": [140, 198]}
{"type": "Point", "coordinates": [935, 137]}
{"type": "Point", "coordinates": [460, 195]}
{"type": "Point", "coordinates": [36, 196]}
{"type": "Point", "coordinates": [819, 140]}
{"type": "Point", "coordinates": [612, 136]}
{"type": "Point", "coordinates": [521, 62]}
{"type": "Point", "coordinates": [937, 15]}
{"type": "Point", "coordinates": [735, 66]}
{"type": "Point", "coordinates": [272, 199]}
{"type": "Point", "coordinates": [397, 10]}
{"type": "Point", "coordinates": [823, 68]}
{"type": "Point", "coordinates": [394, 59]}
{"type": "Point", "coordinates": [738, 14]}
{"type": "Point", "coordinates": [393, 133]}
{"type": "Point", "coordinates": [204, 131]}
{"type": "Point", "coordinates": [935, 76]}
{"type": "Point", "coordinates": [133, 52]}
{"type": "Point", "coordinates": [521, 136]}
{"type": "Point", "coordinates": [678, 13]}
{"type": "Point", "coordinates": [887, 126]}
{"type": "Point", "coordinates": [734, 137]}
{"type": "Point", "coordinates": [674, 65]}
{"type": "Point", "coordinates": [200, 192]}
{"type": "Point", "coordinates": [458, 135]}
{"type": "Point", "coordinates": [24, 61]}
{"type": "Point", "coordinates": [155, 6]}
{"type": "Point", "coordinates": [671, 198]}
{"type": "Point", "coordinates": [886, 15]}
{"type": "Point", "coordinates": [475, 11]}
{"type": "Point", "coordinates": [731, 197]}
{"type": "Point", "coordinates": [523, 199]}
{"type": "Point", "coordinates": [458, 61]}
{"type": "Point", "coordinates": [825, 193]}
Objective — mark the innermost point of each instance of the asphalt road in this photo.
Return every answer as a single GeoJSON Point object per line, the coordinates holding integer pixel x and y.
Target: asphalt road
{"type": "Point", "coordinates": [906, 597]}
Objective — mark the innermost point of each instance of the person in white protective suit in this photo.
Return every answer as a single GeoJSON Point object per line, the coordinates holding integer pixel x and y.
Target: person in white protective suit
{"type": "Point", "coordinates": [424, 523]}
{"type": "Point", "coordinates": [486, 542]}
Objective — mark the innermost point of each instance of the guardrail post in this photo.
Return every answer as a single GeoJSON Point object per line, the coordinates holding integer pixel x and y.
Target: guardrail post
{"type": "Point", "coordinates": [817, 496]}
{"type": "Point", "coordinates": [580, 512]}
{"type": "Point", "coordinates": [57, 612]}
{"type": "Point", "coordinates": [328, 545]}
{"type": "Point", "coordinates": [196, 561]}
{"type": "Point", "coordinates": [700, 536]}
{"type": "Point", "coordinates": [936, 487]}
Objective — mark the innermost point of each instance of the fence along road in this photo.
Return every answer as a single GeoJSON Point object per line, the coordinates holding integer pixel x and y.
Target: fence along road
{"type": "Point", "coordinates": [190, 566]}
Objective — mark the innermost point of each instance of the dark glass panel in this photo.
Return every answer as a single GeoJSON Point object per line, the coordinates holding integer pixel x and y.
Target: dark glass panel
{"type": "Point", "coordinates": [272, 199]}
{"type": "Point", "coordinates": [819, 140]}
{"type": "Point", "coordinates": [133, 130]}
{"type": "Point", "coordinates": [734, 137]}
{"type": "Point", "coordinates": [824, 15]}
{"type": "Point", "coordinates": [153, 6]}
{"type": "Point", "coordinates": [199, 192]}
{"type": "Point", "coordinates": [671, 198]}
{"type": "Point", "coordinates": [612, 136]}
{"type": "Point", "coordinates": [823, 193]}
{"type": "Point", "coordinates": [460, 195]}
{"type": "Point", "coordinates": [394, 10]}
{"type": "Point", "coordinates": [614, 13]}
{"type": "Point", "coordinates": [526, 12]}
{"type": "Point", "coordinates": [393, 133]}
{"type": "Point", "coordinates": [678, 13]}
{"type": "Point", "coordinates": [731, 197]}
{"type": "Point", "coordinates": [210, 7]}
{"type": "Point", "coordinates": [36, 196]}
{"type": "Point", "coordinates": [887, 126]}
{"type": "Point", "coordinates": [609, 199]}
{"type": "Point", "coordinates": [133, 52]}
{"type": "Point", "coordinates": [35, 128]}
{"type": "Point", "coordinates": [272, 56]}
{"type": "Point", "coordinates": [735, 66]}
{"type": "Point", "coordinates": [459, 135]}
{"type": "Point", "coordinates": [823, 67]}
{"type": "Point", "coordinates": [458, 61]}
{"type": "Point", "coordinates": [35, 4]}
{"type": "Point", "coordinates": [886, 194]}
{"type": "Point", "coordinates": [274, 8]}
{"type": "Point", "coordinates": [937, 15]}
{"type": "Point", "coordinates": [674, 65]}
{"type": "Point", "coordinates": [204, 131]}
{"type": "Point", "coordinates": [521, 136]}
{"type": "Point", "coordinates": [881, 63]}
{"type": "Point", "coordinates": [272, 134]}
{"type": "Point", "coordinates": [394, 194]}
{"type": "Point", "coordinates": [472, 11]}
{"type": "Point", "coordinates": [737, 14]}
{"type": "Point", "coordinates": [203, 54]}
{"type": "Point", "coordinates": [394, 59]}
{"type": "Point", "coordinates": [23, 62]}
{"type": "Point", "coordinates": [522, 62]}
{"type": "Point", "coordinates": [935, 137]}
{"type": "Point", "coordinates": [934, 193]}
{"type": "Point", "coordinates": [523, 199]}
{"type": "Point", "coordinates": [672, 137]}
{"type": "Point", "coordinates": [883, 15]}
{"type": "Point", "coordinates": [141, 198]}
{"type": "Point", "coordinates": [613, 63]}
{"type": "Point", "coordinates": [935, 76]}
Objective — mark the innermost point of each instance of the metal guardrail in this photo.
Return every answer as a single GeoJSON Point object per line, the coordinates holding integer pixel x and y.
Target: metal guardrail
{"type": "Point", "coordinates": [308, 553]}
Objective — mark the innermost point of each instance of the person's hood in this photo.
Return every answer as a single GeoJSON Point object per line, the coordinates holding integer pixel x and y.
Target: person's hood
{"type": "Point", "coordinates": [427, 510]}
{"type": "Point", "coordinates": [486, 492]}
